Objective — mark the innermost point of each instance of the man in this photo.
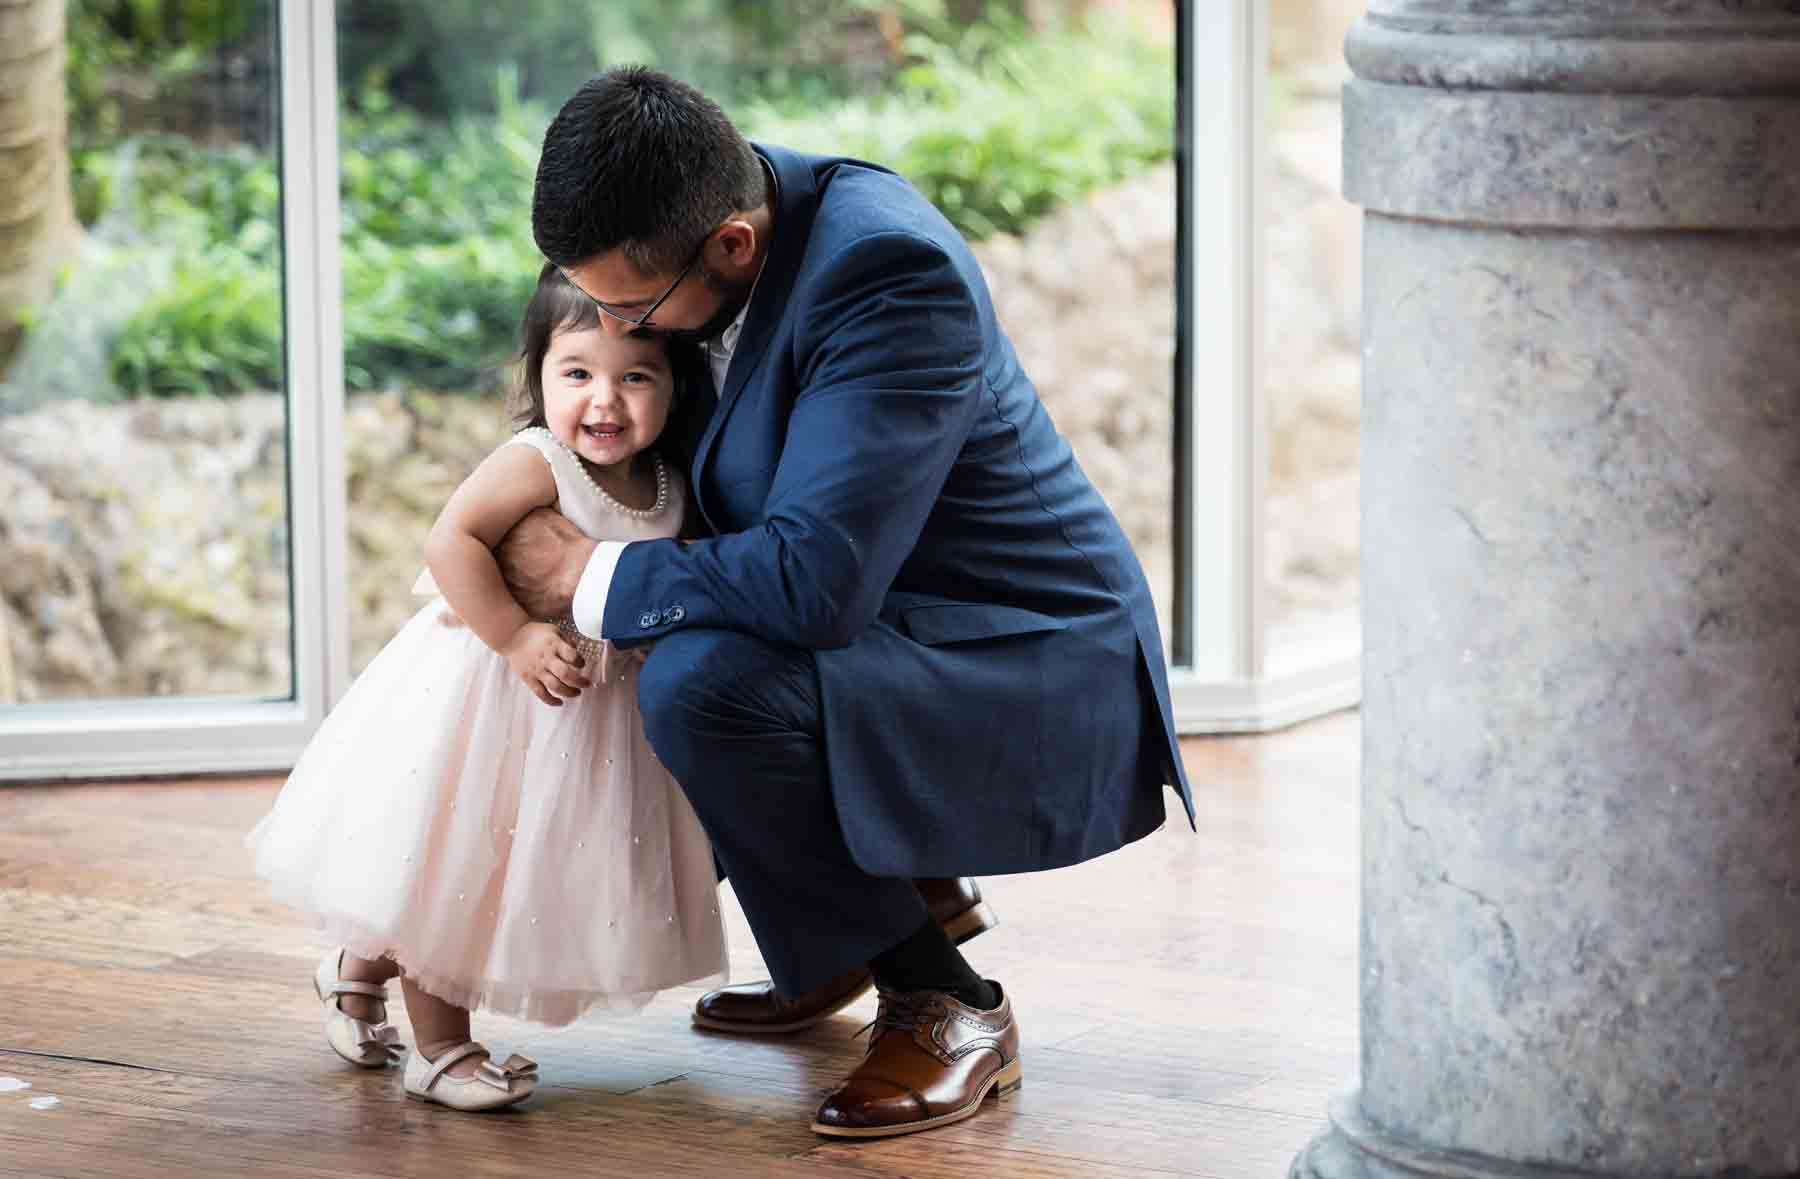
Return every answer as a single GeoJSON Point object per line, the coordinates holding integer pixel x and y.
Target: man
{"type": "Point", "coordinates": [915, 643]}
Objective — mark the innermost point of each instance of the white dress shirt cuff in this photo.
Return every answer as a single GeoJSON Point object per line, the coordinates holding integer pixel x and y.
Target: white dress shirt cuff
{"type": "Point", "coordinates": [596, 580]}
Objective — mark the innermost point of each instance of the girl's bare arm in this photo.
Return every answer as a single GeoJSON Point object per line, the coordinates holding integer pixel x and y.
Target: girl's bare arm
{"type": "Point", "coordinates": [460, 549]}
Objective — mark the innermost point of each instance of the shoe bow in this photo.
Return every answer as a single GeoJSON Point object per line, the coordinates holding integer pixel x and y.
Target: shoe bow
{"type": "Point", "coordinates": [384, 1037]}
{"type": "Point", "coordinates": [502, 1076]}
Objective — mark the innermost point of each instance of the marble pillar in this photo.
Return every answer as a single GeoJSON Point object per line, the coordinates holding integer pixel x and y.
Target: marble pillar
{"type": "Point", "coordinates": [1581, 587]}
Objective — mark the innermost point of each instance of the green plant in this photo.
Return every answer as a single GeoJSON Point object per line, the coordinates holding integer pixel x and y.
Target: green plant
{"type": "Point", "coordinates": [437, 57]}
{"type": "Point", "coordinates": [122, 49]}
{"type": "Point", "coordinates": [999, 130]}
{"type": "Point", "coordinates": [178, 289]}
{"type": "Point", "coordinates": [214, 328]}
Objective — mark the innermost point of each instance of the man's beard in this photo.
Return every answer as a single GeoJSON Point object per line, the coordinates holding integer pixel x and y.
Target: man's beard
{"type": "Point", "coordinates": [734, 296]}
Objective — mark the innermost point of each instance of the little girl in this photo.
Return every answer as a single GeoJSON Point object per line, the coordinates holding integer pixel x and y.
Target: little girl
{"type": "Point", "coordinates": [473, 816]}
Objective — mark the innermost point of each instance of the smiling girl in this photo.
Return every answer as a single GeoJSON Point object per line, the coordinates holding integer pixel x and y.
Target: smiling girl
{"type": "Point", "coordinates": [481, 815]}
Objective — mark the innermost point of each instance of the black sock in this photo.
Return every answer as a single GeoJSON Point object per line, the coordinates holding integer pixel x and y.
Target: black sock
{"type": "Point", "coordinates": [926, 961]}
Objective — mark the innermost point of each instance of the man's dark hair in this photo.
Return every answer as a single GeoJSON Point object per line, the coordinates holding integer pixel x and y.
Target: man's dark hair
{"type": "Point", "coordinates": [640, 161]}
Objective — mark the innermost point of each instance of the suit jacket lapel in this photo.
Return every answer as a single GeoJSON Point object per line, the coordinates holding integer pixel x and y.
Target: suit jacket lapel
{"type": "Point", "coordinates": [797, 201]}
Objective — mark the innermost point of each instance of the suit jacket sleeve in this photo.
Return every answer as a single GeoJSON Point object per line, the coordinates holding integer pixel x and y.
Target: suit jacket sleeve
{"type": "Point", "coordinates": [889, 357]}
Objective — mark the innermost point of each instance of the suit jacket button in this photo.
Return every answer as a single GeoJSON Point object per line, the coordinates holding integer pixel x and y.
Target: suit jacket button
{"type": "Point", "coordinates": [647, 618]}
{"type": "Point", "coordinates": [674, 614]}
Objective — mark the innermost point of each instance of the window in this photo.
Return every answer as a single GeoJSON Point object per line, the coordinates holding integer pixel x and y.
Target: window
{"type": "Point", "coordinates": [267, 324]}
{"type": "Point", "coordinates": [158, 448]}
{"type": "Point", "coordinates": [1255, 662]}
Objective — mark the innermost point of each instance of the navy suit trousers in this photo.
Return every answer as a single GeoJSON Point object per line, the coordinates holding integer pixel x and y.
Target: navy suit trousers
{"type": "Point", "coordinates": [736, 719]}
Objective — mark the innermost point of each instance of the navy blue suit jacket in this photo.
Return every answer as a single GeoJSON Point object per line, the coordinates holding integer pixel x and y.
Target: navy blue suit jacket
{"type": "Point", "coordinates": [886, 489]}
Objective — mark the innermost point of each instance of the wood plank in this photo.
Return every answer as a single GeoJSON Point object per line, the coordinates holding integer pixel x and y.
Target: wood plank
{"type": "Point", "coordinates": [1188, 1008]}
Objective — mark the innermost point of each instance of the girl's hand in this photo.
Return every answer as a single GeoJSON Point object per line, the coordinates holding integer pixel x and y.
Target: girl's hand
{"type": "Point", "coordinates": [550, 667]}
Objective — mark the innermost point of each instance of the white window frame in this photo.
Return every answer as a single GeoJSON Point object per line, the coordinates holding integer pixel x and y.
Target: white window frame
{"type": "Point", "coordinates": [64, 740]}
{"type": "Point", "coordinates": [1223, 678]}
{"type": "Point", "coordinates": [1228, 677]}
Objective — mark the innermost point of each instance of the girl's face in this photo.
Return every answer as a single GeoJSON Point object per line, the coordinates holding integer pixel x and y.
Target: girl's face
{"type": "Point", "coordinates": [606, 397]}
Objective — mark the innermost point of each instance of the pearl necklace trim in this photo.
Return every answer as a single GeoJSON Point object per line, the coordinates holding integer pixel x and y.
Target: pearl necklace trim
{"type": "Point", "coordinates": [662, 480]}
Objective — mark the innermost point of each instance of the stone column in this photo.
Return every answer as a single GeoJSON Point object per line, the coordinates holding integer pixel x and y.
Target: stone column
{"type": "Point", "coordinates": [1581, 587]}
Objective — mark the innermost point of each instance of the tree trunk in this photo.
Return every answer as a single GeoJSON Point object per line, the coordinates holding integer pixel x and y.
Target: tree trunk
{"type": "Point", "coordinates": [37, 214]}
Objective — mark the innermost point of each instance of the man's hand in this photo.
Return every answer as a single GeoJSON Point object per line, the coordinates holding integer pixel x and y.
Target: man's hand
{"type": "Point", "coordinates": [542, 559]}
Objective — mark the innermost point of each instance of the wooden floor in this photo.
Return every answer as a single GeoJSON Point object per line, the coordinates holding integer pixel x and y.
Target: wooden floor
{"type": "Point", "coordinates": [1187, 1006]}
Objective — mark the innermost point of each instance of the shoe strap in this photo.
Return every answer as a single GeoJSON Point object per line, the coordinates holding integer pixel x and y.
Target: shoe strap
{"type": "Point", "coordinates": [342, 986]}
{"type": "Point", "coordinates": [447, 1058]}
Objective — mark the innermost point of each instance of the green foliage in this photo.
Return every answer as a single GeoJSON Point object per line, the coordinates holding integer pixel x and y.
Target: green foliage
{"type": "Point", "coordinates": [214, 328]}
{"type": "Point", "coordinates": [1000, 128]}
{"type": "Point", "coordinates": [420, 55]}
{"type": "Point", "coordinates": [437, 252]}
{"type": "Point", "coordinates": [180, 278]}
{"type": "Point", "coordinates": [789, 51]}
{"type": "Point", "coordinates": [439, 56]}
{"type": "Point", "coordinates": [152, 177]}
{"type": "Point", "coordinates": [178, 289]}
{"type": "Point", "coordinates": [117, 47]}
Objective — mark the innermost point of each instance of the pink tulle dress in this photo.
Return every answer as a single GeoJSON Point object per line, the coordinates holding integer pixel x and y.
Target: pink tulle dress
{"type": "Point", "coordinates": [530, 860]}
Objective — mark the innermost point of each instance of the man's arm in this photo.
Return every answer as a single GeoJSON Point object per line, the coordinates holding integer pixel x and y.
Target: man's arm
{"type": "Point", "coordinates": [892, 383]}
{"type": "Point", "coordinates": [542, 559]}
{"type": "Point", "coordinates": [589, 607]}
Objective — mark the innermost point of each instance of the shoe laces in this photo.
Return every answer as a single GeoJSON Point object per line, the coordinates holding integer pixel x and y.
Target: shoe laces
{"type": "Point", "coordinates": [902, 1011]}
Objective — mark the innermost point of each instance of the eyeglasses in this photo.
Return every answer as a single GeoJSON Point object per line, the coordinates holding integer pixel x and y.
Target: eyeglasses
{"type": "Point", "coordinates": [641, 320]}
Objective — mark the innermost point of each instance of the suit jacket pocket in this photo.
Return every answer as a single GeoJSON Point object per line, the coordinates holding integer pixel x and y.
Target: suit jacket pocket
{"type": "Point", "coordinates": [937, 626]}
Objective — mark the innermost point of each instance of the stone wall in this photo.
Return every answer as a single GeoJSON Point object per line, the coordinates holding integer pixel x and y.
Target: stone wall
{"type": "Point", "coordinates": [144, 547]}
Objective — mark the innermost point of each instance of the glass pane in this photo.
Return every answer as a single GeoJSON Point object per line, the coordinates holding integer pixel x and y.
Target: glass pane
{"type": "Point", "coordinates": [1043, 128]}
{"type": "Point", "coordinates": [144, 542]}
{"type": "Point", "coordinates": [1313, 366]}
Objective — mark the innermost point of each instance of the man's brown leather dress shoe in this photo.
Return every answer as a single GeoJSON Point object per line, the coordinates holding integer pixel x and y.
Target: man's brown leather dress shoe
{"type": "Point", "coordinates": [757, 1009]}
{"type": "Point", "coordinates": [932, 1060]}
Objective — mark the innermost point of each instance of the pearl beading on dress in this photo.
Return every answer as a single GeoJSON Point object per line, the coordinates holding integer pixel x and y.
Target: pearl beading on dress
{"type": "Point", "coordinates": [662, 481]}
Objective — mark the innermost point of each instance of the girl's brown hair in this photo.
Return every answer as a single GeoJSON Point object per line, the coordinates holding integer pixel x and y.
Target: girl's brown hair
{"type": "Point", "coordinates": [557, 305]}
